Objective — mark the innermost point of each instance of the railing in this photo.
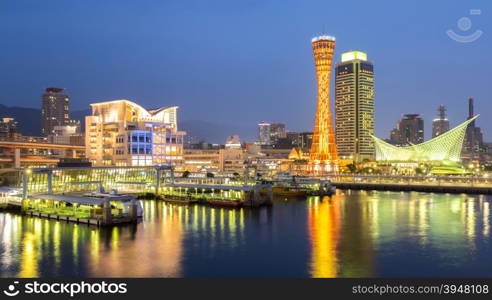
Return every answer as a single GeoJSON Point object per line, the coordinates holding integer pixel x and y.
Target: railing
{"type": "Point", "coordinates": [414, 180]}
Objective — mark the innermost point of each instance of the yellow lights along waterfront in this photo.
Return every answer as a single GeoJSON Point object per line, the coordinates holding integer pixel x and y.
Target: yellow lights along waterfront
{"type": "Point", "coordinates": [345, 236]}
{"type": "Point", "coordinates": [323, 156]}
{"type": "Point", "coordinates": [341, 236]}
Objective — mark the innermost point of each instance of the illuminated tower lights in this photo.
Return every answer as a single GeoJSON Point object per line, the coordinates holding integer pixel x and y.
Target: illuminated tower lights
{"type": "Point", "coordinates": [323, 156]}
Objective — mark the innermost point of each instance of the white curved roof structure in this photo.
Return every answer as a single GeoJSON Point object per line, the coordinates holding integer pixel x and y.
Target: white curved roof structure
{"type": "Point", "coordinates": [446, 146]}
{"type": "Point", "coordinates": [130, 111]}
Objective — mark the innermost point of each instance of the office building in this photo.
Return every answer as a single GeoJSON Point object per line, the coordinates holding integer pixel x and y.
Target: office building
{"type": "Point", "coordinates": [277, 132]}
{"type": "Point", "coordinates": [270, 133]}
{"type": "Point", "coordinates": [409, 131]}
{"type": "Point", "coordinates": [123, 133]}
{"type": "Point", "coordinates": [67, 134]}
{"type": "Point", "coordinates": [9, 129]}
{"type": "Point", "coordinates": [440, 125]}
{"type": "Point", "coordinates": [474, 138]}
{"type": "Point", "coordinates": [54, 110]}
{"type": "Point", "coordinates": [264, 133]}
{"type": "Point", "coordinates": [354, 107]}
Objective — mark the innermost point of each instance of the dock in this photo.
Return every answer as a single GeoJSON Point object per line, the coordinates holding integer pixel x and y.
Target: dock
{"type": "Point", "coordinates": [103, 211]}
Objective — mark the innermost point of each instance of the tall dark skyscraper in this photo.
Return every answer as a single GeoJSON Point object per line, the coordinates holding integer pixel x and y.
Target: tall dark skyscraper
{"type": "Point", "coordinates": [54, 110]}
{"type": "Point", "coordinates": [408, 131]}
{"type": "Point", "coordinates": [474, 138]}
{"type": "Point", "coordinates": [354, 106]}
{"type": "Point", "coordinates": [440, 125]}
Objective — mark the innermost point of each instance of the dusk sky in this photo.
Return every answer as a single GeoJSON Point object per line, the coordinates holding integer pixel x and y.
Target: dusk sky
{"type": "Point", "coordinates": [245, 61]}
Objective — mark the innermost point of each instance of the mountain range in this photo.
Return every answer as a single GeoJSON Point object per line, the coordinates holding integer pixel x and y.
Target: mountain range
{"type": "Point", "coordinates": [29, 120]}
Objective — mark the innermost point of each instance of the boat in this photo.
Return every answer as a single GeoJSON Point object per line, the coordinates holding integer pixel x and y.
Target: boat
{"type": "Point", "coordinates": [225, 203]}
{"type": "Point", "coordinates": [285, 184]}
{"type": "Point", "coordinates": [179, 199]}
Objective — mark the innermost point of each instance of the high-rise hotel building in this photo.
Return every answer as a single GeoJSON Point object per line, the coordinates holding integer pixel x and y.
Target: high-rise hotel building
{"type": "Point", "coordinates": [122, 133]}
{"type": "Point", "coordinates": [354, 107]}
{"type": "Point", "coordinates": [54, 110]}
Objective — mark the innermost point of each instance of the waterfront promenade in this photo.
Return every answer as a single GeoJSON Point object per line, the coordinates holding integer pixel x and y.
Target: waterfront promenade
{"type": "Point", "coordinates": [436, 184]}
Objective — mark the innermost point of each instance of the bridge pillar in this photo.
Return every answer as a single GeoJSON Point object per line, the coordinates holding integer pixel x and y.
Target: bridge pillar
{"type": "Point", "coordinates": [107, 217]}
{"type": "Point", "coordinates": [50, 182]}
{"type": "Point", "coordinates": [17, 159]}
{"type": "Point", "coordinates": [158, 181]}
{"type": "Point", "coordinates": [270, 195]}
{"type": "Point", "coordinates": [24, 184]}
{"type": "Point", "coordinates": [133, 211]}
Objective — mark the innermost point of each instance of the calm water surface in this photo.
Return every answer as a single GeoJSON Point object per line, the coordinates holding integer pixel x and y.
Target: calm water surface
{"type": "Point", "coordinates": [353, 234]}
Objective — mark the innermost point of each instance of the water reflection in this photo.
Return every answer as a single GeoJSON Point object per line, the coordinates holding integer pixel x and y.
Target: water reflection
{"type": "Point", "coordinates": [352, 234]}
{"type": "Point", "coordinates": [349, 231]}
{"type": "Point", "coordinates": [324, 229]}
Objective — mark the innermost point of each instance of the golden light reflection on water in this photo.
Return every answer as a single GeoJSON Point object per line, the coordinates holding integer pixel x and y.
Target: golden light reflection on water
{"type": "Point", "coordinates": [345, 236]}
{"type": "Point", "coordinates": [324, 227]}
{"type": "Point", "coordinates": [29, 265]}
{"type": "Point", "coordinates": [346, 231]}
{"type": "Point", "coordinates": [154, 250]}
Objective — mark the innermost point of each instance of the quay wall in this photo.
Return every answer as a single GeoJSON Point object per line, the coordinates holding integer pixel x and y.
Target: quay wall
{"type": "Point", "coordinates": [415, 188]}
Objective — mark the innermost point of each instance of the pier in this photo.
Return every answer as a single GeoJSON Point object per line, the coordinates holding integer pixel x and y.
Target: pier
{"type": "Point", "coordinates": [432, 184]}
{"type": "Point", "coordinates": [67, 193]}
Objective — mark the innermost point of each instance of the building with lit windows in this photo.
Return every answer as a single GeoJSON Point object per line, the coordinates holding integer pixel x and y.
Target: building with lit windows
{"type": "Point", "coordinates": [445, 147]}
{"type": "Point", "coordinates": [271, 134]}
{"type": "Point", "coordinates": [264, 133]}
{"type": "Point", "coordinates": [441, 124]}
{"type": "Point", "coordinates": [122, 133]}
{"type": "Point", "coordinates": [201, 160]}
{"type": "Point", "coordinates": [474, 146]}
{"type": "Point", "coordinates": [9, 129]}
{"type": "Point", "coordinates": [54, 110]}
{"type": "Point", "coordinates": [354, 107]}
{"type": "Point", "coordinates": [277, 132]}
{"type": "Point", "coordinates": [409, 131]}
{"type": "Point", "coordinates": [229, 158]}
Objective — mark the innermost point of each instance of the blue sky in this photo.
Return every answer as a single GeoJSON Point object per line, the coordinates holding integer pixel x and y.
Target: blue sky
{"type": "Point", "coordinates": [244, 61]}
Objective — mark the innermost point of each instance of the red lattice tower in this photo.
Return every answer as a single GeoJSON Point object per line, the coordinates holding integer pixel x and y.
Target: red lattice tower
{"type": "Point", "coordinates": [323, 155]}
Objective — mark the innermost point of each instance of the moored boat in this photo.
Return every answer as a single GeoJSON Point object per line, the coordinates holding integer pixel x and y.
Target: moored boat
{"type": "Point", "coordinates": [225, 203]}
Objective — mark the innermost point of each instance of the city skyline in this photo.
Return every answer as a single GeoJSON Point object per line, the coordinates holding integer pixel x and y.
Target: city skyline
{"type": "Point", "coordinates": [151, 70]}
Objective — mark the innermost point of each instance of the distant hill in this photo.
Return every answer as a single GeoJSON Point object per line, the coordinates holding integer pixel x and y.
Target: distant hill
{"type": "Point", "coordinates": [213, 132]}
{"type": "Point", "coordinates": [29, 118]}
{"type": "Point", "coordinates": [30, 124]}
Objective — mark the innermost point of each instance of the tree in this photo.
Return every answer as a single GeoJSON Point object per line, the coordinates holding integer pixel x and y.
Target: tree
{"type": "Point", "coordinates": [352, 168]}
{"type": "Point", "coordinates": [186, 174]}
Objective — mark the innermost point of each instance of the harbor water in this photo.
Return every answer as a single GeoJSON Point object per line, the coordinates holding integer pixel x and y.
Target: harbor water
{"type": "Point", "coordinates": [351, 234]}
